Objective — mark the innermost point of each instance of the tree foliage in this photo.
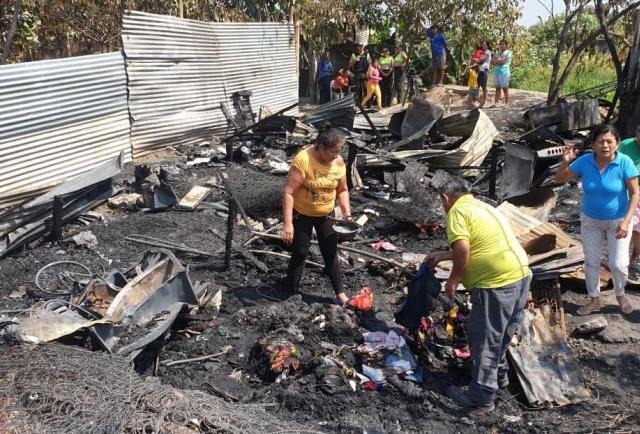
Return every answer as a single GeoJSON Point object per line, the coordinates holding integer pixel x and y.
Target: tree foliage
{"type": "Point", "coordinates": [575, 47]}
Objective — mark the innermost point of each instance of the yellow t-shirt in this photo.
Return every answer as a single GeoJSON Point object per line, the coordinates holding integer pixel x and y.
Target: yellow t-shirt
{"type": "Point", "coordinates": [317, 196]}
{"type": "Point", "coordinates": [496, 259]}
{"type": "Point", "coordinates": [473, 79]}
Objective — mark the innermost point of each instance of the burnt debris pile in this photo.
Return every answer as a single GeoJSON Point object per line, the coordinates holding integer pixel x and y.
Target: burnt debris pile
{"type": "Point", "coordinates": [146, 299]}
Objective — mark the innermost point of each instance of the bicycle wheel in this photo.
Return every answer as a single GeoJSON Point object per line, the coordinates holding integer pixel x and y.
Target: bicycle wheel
{"type": "Point", "coordinates": [59, 278]}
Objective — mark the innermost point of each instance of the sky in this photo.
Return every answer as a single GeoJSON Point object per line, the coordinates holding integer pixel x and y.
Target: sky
{"type": "Point", "coordinates": [532, 9]}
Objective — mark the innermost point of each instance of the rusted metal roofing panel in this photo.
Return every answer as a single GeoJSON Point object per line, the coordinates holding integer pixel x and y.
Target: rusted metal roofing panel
{"type": "Point", "coordinates": [60, 118]}
{"type": "Point", "coordinates": [181, 70]}
{"type": "Point", "coordinates": [527, 228]}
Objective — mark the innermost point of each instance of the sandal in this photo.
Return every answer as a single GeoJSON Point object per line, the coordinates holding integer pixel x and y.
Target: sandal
{"type": "Point", "coordinates": [625, 306]}
{"type": "Point", "coordinates": [590, 308]}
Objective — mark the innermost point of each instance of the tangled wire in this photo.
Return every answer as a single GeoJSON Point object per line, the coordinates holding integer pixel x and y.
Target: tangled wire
{"type": "Point", "coordinates": [55, 388]}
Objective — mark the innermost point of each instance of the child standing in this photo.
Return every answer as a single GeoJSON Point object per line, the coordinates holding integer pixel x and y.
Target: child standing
{"type": "Point", "coordinates": [373, 86]}
{"type": "Point", "coordinates": [473, 85]}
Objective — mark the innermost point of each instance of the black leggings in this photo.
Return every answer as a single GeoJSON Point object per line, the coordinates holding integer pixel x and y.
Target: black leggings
{"type": "Point", "coordinates": [328, 241]}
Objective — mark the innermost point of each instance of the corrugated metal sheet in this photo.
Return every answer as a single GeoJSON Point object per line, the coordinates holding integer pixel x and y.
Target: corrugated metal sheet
{"type": "Point", "coordinates": [527, 228]}
{"type": "Point", "coordinates": [60, 118]}
{"type": "Point", "coordinates": [480, 132]}
{"type": "Point", "coordinates": [181, 70]}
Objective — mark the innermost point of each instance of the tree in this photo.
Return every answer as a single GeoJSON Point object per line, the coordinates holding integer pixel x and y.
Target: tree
{"type": "Point", "coordinates": [12, 32]}
{"type": "Point", "coordinates": [629, 121]}
{"type": "Point", "coordinates": [608, 16]}
{"type": "Point", "coordinates": [467, 22]}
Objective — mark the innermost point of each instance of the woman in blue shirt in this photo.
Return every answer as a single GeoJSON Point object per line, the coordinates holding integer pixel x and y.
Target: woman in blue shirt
{"type": "Point", "coordinates": [610, 184]}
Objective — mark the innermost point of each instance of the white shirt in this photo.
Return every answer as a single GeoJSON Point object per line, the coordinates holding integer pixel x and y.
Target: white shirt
{"type": "Point", "coordinates": [487, 60]}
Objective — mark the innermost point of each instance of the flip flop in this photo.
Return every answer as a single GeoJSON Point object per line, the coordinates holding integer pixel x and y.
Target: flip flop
{"type": "Point", "coordinates": [588, 310]}
{"type": "Point", "coordinates": [625, 306]}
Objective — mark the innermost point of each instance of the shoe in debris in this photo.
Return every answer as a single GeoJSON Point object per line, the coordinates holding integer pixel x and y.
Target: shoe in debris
{"type": "Point", "coordinates": [464, 399]}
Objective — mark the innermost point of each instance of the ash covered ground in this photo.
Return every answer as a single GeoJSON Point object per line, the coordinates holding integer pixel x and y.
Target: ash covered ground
{"type": "Point", "coordinates": [250, 312]}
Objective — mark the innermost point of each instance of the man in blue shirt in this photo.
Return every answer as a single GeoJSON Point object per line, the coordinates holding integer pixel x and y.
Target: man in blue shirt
{"type": "Point", "coordinates": [325, 74]}
{"type": "Point", "coordinates": [438, 53]}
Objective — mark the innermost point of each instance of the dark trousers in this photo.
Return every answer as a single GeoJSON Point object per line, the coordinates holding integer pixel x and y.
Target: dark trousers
{"type": "Point", "coordinates": [398, 83]}
{"type": "Point", "coordinates": [386, 87]}
{"type": "Point", "coordinates": [361, 86]}
{"type": "Point", "coordinates": [325, 89]}
{"type": "Point", "coordinates": [328, 241]}
{"type": "Point", "coordinates": [494, 319]}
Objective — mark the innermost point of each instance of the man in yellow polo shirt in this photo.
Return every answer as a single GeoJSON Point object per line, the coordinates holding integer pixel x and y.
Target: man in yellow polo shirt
{"type": "Point", "coordinates": [489, 262]}
{"type": "Point", "coordinates": [386, 69]}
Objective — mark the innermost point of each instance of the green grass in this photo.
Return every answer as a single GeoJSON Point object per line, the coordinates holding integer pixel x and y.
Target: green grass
{"type": "Point", "coordinates": [537, 78]}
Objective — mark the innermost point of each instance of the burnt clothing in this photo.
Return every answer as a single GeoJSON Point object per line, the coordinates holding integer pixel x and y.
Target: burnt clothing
{"type": "Point", "coordinates": [423, 289]}
{"type": "Point", "coordinates": [328, 242]}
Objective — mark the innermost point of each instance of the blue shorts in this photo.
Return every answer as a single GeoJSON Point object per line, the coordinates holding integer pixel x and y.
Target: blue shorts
{"type": "Point", "coordinates": [501, 80]}
{"type": "Point", "coordinates": [439, 61]}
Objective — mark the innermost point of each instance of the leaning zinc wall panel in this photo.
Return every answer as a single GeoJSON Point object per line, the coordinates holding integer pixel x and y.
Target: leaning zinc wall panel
{"type": "Point", "coordinates": [181, 70]}
{"type": "Point", "coordinates": [60, 118]}
{"type": "Point", "coordinates": [259, 57]}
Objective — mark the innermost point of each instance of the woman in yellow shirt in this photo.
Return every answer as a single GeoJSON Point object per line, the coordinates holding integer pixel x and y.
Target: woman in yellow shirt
{"type": "Point", "coordinates": [316, 178]}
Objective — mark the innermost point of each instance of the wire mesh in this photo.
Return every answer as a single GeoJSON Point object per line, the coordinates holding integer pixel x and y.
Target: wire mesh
{"type": "Point", "coordinates": [54, 388]}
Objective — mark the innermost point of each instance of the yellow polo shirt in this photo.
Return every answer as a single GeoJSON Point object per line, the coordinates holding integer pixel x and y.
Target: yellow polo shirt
{"type": "Point", "coordinates": [496, 259]}
{"type": "Point", "coordinates": [317, 196]}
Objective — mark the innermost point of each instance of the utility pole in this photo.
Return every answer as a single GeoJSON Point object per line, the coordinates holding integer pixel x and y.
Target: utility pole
{"type": "Point", "coordinates": [181, 8]}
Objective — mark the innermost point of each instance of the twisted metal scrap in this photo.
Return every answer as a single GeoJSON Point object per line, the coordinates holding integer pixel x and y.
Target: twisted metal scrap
{"type": "Point", "coordinates": [56, 388]}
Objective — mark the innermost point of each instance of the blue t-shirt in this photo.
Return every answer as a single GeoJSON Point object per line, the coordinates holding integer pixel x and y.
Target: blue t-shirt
{"type": "Point", "coordinates": [606, 196]}
{"type": "Point", "coordinates": [437, 43]}
{"type": "Point", "coordinates": [505, 68]}
{"type": "Point", "coordinates": [325, 69]}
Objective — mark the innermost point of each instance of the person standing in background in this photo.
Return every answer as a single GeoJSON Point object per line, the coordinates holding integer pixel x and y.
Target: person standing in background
{"type": "Point", "coordinates": [325, 74]}
{"type": "Point", "coordinates": [502, 72]}
{"type": "Point", "coordinates": [631, 148]}
{"type": "Point", "coordinates": [386, 70]}
{"type": "Point", "coordinates": [438, 53]}
{"type": "Point", "coordinates": [473, 85]}
{"type": "Point", "coordinates": [400, 62]}
{"type": "Point", "coordinates": [359, 65]}
{"type": "Point", "coordinates": [373, 85]}
{"type": "Point", "coordinates": [483, 73]}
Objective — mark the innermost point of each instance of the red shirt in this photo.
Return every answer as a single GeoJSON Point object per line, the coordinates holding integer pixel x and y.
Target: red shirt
{"type": "Point", "coordinates": [341, 82]}
{"type": "Point", "coordinates": [477, 55]}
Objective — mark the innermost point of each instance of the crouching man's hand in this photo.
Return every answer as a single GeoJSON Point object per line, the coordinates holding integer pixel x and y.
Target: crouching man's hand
{"type": "Point", "coordinates": [434, 258]}
{"type": "Point", "coordinates": [450, 288]}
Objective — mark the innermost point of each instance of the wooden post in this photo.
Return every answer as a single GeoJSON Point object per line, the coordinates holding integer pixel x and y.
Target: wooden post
{"type": "Point", "coordinates": [57, 219]}
{"type": "Point", "coordinates": [231, 220]}
{"type": "Point", "coordinates": [493, 171]}
{"type": "Point", "coordinates": [233, 198]}
{"type": "Point", "coordinates": [296, 35]}
{"type": "Point", "coordinates": [557, 296]}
